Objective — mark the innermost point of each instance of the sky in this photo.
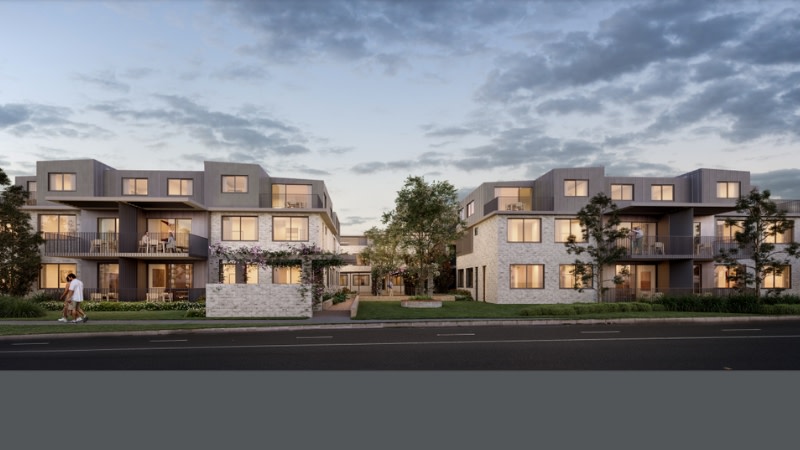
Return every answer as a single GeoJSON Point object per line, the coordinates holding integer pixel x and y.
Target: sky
{"type": "Point", "coordinates": [363, 94]}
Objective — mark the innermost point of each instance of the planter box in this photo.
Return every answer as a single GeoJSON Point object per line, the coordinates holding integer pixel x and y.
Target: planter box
{"type": "Point", "coordinates": [421, 303]}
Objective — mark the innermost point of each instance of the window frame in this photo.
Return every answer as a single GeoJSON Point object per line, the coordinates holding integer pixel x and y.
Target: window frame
{"type": "Point", "coordinates": [622, 191]}
{"type": "Point", "coordinates": [58, 221]}
{"type": "Point", "coordinates": [524, 220]}
{"type": "Point", "coordinates": [786, 275]}
{"type": "Point", "coordinates": [291, 220]}
{"type": "Point", "coordinates": [229, 219]}
{"type": "Point", "coordinates": [235, 185]}
{"type": "Point", "coordinates": [136, 186]}
{"type": "Point", "coordinates": [470, 208]}
{"type": "Point", "coordinates": [292, 272]}
{"type": "Point", "coordinates": [660, 188]}
{"type": "Point", "coordinates": [726, 186]}
{"type": "Point", "coordinates": [54, 176]}
{"type": "Point", "coordinates": [183, 183]}
{"type": "Point", "coordinates": [562, 275]}
{"type": "Point", "coordinates": [580, 187]}
{"type": "Point", "coordinates": [572, 222]}
{"type": "Point", "coordinates": [528, 285]}
{"type": "Point", "coordinates": [62, 281]}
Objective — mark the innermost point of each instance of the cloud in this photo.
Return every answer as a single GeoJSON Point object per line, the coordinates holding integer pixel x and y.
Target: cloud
{"type": "Point", "coordinates": [781, 183]}
{"type": "Point", "coordinates": [241, 72]}
{"type": "Point", "coordinates": [46, 121]}
{"type": "Point", "coordinates": [104, 80]}
{"type": "Point", "coordinates": [774, 42]}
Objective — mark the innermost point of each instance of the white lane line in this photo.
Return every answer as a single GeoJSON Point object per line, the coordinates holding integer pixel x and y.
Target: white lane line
{"type": "Point", "coordinates": [169, 340]}
{"type": "Point", "coordinates": [313, 337]}
{"type": "Point", "coordinates": [598, 332]}
{"type": "Point", "coordinates": [31, 343]}
{"type": "Point", "coordinates": [456, 334]}
{"type": "Point", "coordinates": [741, 329]}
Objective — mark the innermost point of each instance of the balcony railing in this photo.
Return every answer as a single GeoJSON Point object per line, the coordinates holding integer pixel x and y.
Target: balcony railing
{"type": "Point", "coordinates": [296, 201]}
{"type": "Point", "coordinates": [507, 204]}
{"type": "Point", "coordinates": [134, 294]}
{"type": "Point", "coordinates": [697, 247]}
{"type": "Point", "coordinates": [92, 244]}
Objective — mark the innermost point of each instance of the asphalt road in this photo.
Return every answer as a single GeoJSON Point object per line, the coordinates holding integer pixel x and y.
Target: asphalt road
{"type": "Point", "coordinates": [683, 346]}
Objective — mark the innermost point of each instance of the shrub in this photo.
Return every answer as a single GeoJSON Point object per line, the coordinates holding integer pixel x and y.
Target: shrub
{"type": "Point", "coordinates": [196, 312]}
{"type": "Point", "coordinates": [41, 297]}
{"type": "Point", "coordinates": [14, 307]}
{"type": "Point", "coordinates": [461, 295]}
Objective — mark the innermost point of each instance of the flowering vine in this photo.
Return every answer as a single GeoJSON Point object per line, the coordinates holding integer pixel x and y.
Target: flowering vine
{"type": "Point", "coordinates": [311, 259]}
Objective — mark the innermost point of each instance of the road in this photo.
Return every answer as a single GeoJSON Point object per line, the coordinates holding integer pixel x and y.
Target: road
{"type": "Point", "coordinates": [695, 346]}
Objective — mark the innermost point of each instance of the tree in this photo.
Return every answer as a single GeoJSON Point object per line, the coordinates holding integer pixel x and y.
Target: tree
{"type": "Point", "coordinates": [757, 255]}
{"type": "Point", "coordinates": [19, 242]}
{"type": "Point", "coordinates": [425, 220]}
{"type": "Point", "coordinates": [383, 253]}
{"type": "Point", "coordinates": [601, 236]}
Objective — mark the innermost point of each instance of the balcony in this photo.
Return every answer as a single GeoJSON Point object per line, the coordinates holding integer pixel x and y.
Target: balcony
{"type": "Point", "coordinates": [135, 294]}
{"type": "Point", "coordinates": [679, 247]}
{"type": "Point", "coordinates": [92, 245]}
{"type": "Point", "coordinates": [507, 204]}
{"type": "Point", "coordinates": [302, 201]}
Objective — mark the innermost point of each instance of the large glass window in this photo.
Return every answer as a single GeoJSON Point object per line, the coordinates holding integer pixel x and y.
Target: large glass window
{"type": "Point", "coordinates": [169, 276]}
{"type": "Point", "coordinates": [779, 279]}
{"type": "Point", "coordinates": [62, 182]}
{"type": "Point", "coordinates": [527, 276]}
{"type": "Point", "coordinates": [58, 223]}
{"type": "Point", "coordinates": [524, 230]}
{"type": "Point", "coordinates": [787, 236]}
{"type": "Point", "coordinates": [239, 228]}
{"type": "Point", "coordinates": [724, 276]}
{"type": "Point", "coordinates": [470, 208]}
{"type": "Point", "coordinates": [569, 227]}
{"type": "Point", "coordinates": [180, 186]}
{"type": "Point", "coordinates": [727, 189]}
{"type": "Point", "coordinates": [134, 186]}
{"type": "Point", "coordinates": [567, 278]}
{"type": "Point", "coordinates": [728, 231]}
{"type": "Point", "coordinates": [662, 192]}
{"type": "Point", "coordinates": [621, 192]}
{"type": "Point", "coordinates": [291, 196]}
{"type": "Point", "coordinates": [290, 228]}
{"type": "Point", "coordinates": [286, 275]}
{"type": "Point", "coordinates": [54, 276]}
{"type": "Point", "coordinates": [108, 277]}
{"type": "Point", "coordinates": [514, 198]}
{"type": "Point", "coordinates": [234, 183]}
{"type": "Point", "coordinates": [576, 188]}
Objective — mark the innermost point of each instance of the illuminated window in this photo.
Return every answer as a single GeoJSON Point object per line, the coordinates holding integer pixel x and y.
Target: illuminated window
{"type": "Point", "coordinates": [621, 192]}
{"type": "Point", "coordinates": [234, 183]}
{"type": "Point", "coordinates": [180, 186]}
{"type": "Point", "coordinates": [290, 228]}
{"type": "Point", "coordinates": [576, 188]}
{"type": "Point", "coordinates": [286, 275]}
{"type": "Point", "coordinates": [569, 227]}
{"type": "Point", "coordinates": [524, 230]}
{"type": "Point", "coordinates": [239, 228]}
{"type": "Point", "coordinates": [727, 189]}
{"type": "Point", "coordinates": [781, 278]}
{"type": "Point", "coordinates": [527, 276]}
{"type": "Point", "coordinates": [62, 182]}
{"type": "Point", "coordinates": [58, 223]}
{"type": "Point", "coordinates": [54, 276]}
{"type": "Point", "coordinates": [567, 278]}
{"type": "Point", "coordinates": [134, 186]}
{"type": "Point", "coordinates": [662, 192]}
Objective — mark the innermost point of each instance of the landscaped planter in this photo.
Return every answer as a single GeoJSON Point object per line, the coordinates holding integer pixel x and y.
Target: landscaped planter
{"type": "Point", "coordinates": [421, 303]}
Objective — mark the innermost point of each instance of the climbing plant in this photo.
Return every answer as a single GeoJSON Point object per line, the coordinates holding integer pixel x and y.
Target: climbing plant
{"type": "Point", "coordinates": [311, 259]}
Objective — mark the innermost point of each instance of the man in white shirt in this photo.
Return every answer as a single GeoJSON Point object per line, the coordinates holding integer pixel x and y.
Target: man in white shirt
{"type": "Point", "coordinates": [76, 297]}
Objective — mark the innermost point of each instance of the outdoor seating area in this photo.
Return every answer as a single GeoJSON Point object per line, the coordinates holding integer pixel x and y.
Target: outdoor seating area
{"type": "Point", "coordinates": [158, 295]}
{"type": "Point", "coordinates": [159, 244]}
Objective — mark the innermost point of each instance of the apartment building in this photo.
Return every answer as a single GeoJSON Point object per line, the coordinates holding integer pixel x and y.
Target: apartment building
{"type": "Point", "coordinates": [145, 234]}
{"type": "Point", "coordinates": [514, 252]}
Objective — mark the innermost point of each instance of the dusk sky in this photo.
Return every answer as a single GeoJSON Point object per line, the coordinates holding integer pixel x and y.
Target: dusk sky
{"type": "Point", "coordinates": [362, 94]}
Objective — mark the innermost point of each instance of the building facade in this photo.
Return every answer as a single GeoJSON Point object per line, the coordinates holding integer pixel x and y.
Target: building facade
{"type": "Point", "coordinates": [145, 234]}
{"type": "Point", "coordinates": [514, 250]}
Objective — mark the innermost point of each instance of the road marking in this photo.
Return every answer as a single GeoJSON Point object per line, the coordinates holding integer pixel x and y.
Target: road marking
{"type": "Point", "coordinates": [31, 343]}
{"type": "Point", "coordinates": [313, 337]}
{"type": "Point", "coordinates": [169, 340]}
{"type": "Point", "coordinates": [457, 334]}
{"type": "Point", "coordinates": [599, 332]}
{"type": "Point", "coordinates": [741, 329]}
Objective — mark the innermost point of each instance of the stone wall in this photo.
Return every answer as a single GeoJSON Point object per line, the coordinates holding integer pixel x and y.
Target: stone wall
{"type": "Point", "coordinates": [256, 300]}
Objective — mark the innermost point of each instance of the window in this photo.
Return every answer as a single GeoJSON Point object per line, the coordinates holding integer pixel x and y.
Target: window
{"type": "Point", "coordinates": [728, 232]}
{"type": "Point", "coordinates": [527, 276]}
{"type": "Point", "coordinates": [251, 273]}
{"type": "Point", "coordinates": [134, 186]}
{"type": "Point", "coordinates": [169, 276]}
{"type": "Point", "coordinates": [475, 231]}
{"type": "Point", "coordinates": [62, 182]}
{"type": "Point", "coordinates": [291, 196]}
{"type": "Point", "coordinates": [662, 192]}
{"type": "Point", "coordinates": [514, 198]}
{"type": "Point", "coordinates": [31, 193]}
{"type": "Point", "coordinates": [360, 280]}
{"type": "Point", "coordinates": [727, 189]}
{"type": "Point", "coordinates": [469, 274]}
{"type": "Point", "coordinates": [58, 223]}
{"type": "Point", "coordinates": [780, 278]}
{"type": "Point", "coordinates": [460, 278]}
{"type": "Point", "coordinates": [286, 275]}
{"type": "Point", "coordinates": [54, 276]}
{"type": "Point", "coordinates": [621, 192]}
{"type": "Point", "coordinates": [234, 183]}
{"type": "Point", "coordinates": [239, 228]}
{"type": "Point", "coordinates": [567, 279]}
{"type": "Point", "coordinates": [180, 186]}
{"type": "Point", "coordinates": [228, 273]}
{"type": "Point", "coordinates": [576, 188]}
{"type": "Point", "coordinates": [569, 227]}
{"type": "Point", "coordinates": [108, 277]}
{"type": "Point", "coordinates": [32, 187]}
{"type": "Point", "coordinates": [786, 237]}
{"type": "Point", "coordinates": [725, 276]}
{"type": "Point", "coordinates": [524, 230]}
{"type": "Point", "coordinates": [290, 228]}
{"type": "Point", "coordinates": [470, 208]}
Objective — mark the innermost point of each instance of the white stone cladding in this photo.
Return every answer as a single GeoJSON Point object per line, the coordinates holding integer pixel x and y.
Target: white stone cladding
{"type": "Point", "coordinates": [491, 249]}
{"type": "Point", "coordinates": [256, 300]}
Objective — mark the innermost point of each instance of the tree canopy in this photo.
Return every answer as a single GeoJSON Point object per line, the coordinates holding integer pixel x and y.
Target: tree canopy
{"type": "Point", "coordinates": [19, 242]}
{"type": "Point", "coordinates": [758, 253]}
{"type": "Point", "coordinates": [425, 221]}
{"type": "Point", "coordinates": [600, 241]}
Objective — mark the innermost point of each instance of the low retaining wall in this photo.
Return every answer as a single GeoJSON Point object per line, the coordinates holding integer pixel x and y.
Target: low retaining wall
{"type": "Point", "coordinates": [354, 308]}
{"type": "Point", "coordinates": [256, 300]}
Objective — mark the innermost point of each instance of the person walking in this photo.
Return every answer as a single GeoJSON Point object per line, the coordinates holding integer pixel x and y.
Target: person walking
{"type": "Point", "coordinates": [67, 310]}
{"type": "Point", "coordinates": [637, 240]}
{"type": "Point", "coordinates": [76, 298]}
